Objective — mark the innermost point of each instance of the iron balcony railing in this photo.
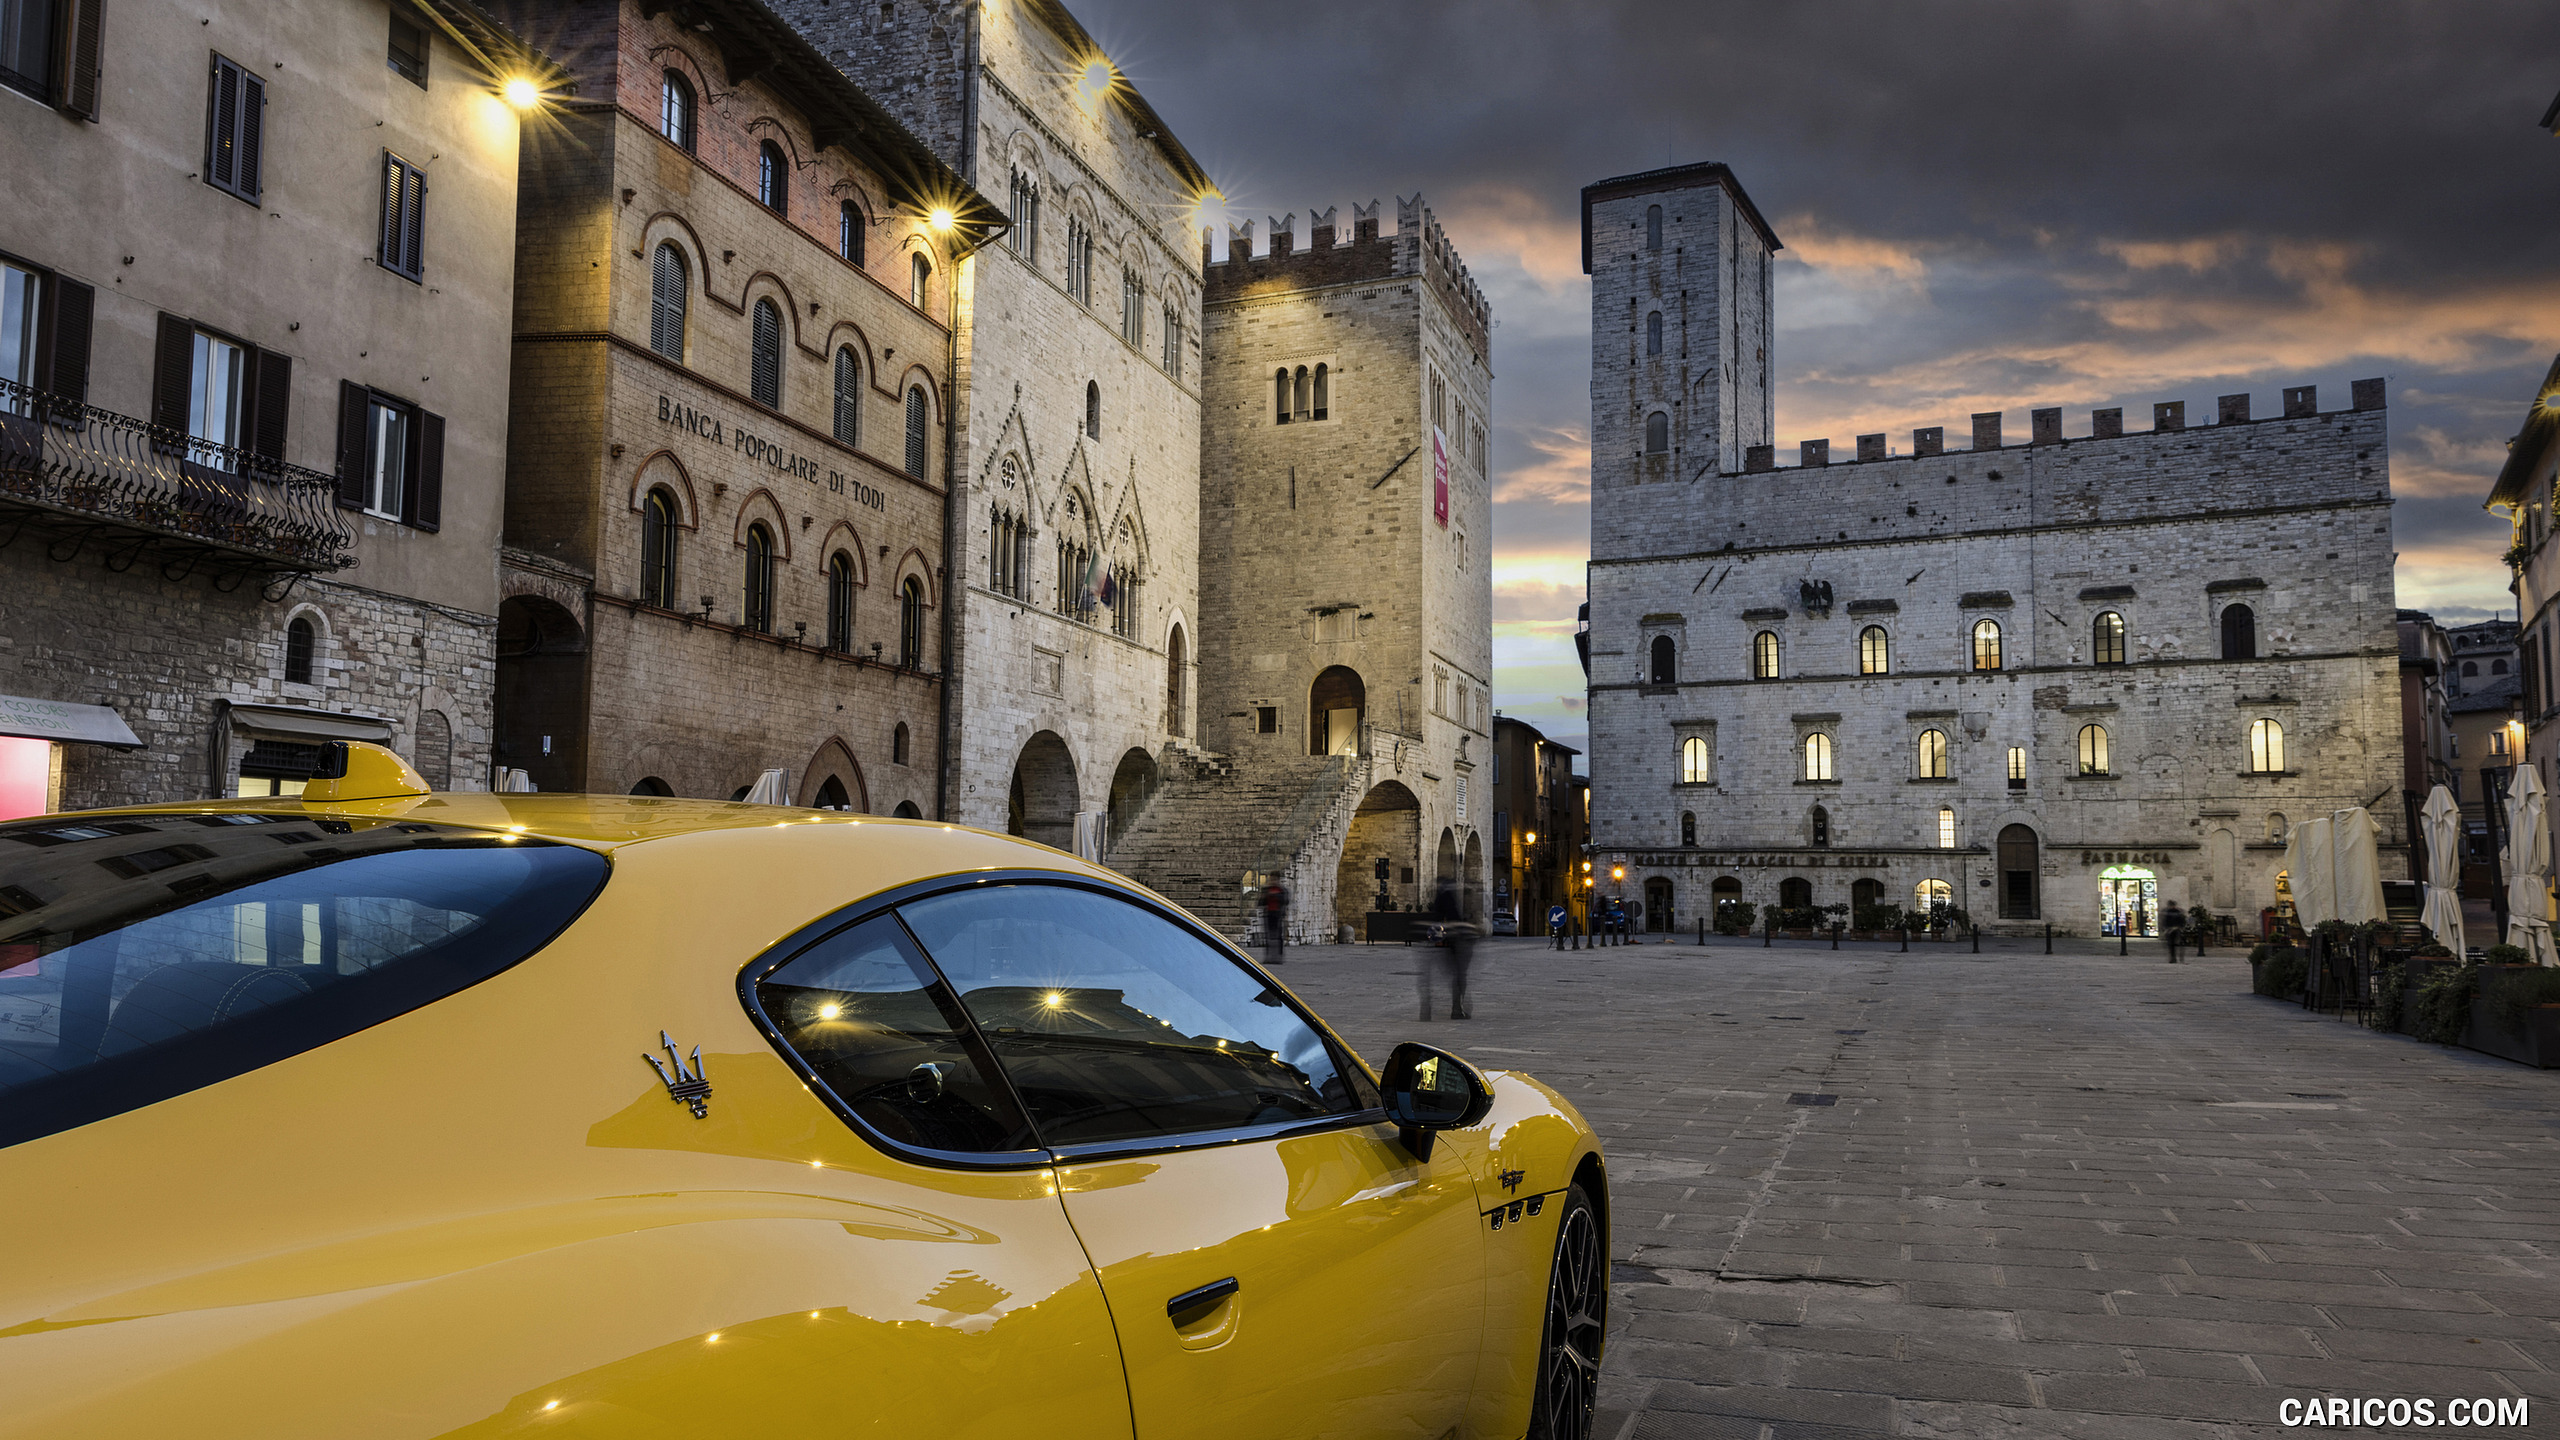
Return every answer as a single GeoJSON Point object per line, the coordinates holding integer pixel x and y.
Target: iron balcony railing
{"type": "Point", "coordinates": [135, 486]}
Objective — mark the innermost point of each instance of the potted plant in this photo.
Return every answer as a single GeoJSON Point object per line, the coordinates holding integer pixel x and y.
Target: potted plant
{"type": "Point", "coordinates": [1868, 921]}
{"type": "Point", "coordinates": [1799, 921]}
{"type": "Point", "coordinates": [2278, 971]}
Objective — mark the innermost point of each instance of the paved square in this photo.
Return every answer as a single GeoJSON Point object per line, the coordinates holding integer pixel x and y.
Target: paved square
{"type": "Point", "coordinates": [2082, 1196]}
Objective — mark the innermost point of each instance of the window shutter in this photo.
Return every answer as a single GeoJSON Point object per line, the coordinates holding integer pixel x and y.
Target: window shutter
{"type": "Point", "coordinates": [274, 401]}
{"type": "Point", "coordinates": [424, 504]}
{"type": "Point", "coordinates": [69, 311]}
{"type": "Point", "coordinates": [355, 409]}
{"type": "Point", "coordinates": [173, 375]}
{"type": "Point", "coordinates": [220, 122]}
{"type": "Point", "coordinates": [77, 91]}
{"type": "Point", "coordinates": [252, 126]}
{"type": "Point", "coordinates": [403, 217]}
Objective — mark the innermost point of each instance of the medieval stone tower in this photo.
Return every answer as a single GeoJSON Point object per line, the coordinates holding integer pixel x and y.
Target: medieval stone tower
{"type": "Point", "coordinates": [1345, 592]}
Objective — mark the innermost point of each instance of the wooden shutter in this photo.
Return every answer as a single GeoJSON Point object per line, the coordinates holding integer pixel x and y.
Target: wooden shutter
{"type": "Point", "coordinates": [69, 312]}
{"type": "Point", "coordinates": [252, 128]}
{"type": "Point", "coordinates": [355, 413]}
{"type": "Point", "coordinates": [404, 194]}
{"type": "Point", "coordinates": [173, 375]}
{"type": "Point", "coordinates": [423, 506]}
{"type": "Point", "coordinates": [76, 91]}
{"type": "Point", "coordinates": [234, 125]}
{"type": "Point", "coordinates": [273, 396]}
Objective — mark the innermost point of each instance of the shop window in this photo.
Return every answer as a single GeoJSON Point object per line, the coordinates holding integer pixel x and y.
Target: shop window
{"type": "Point", "coordinates": [2106, 639]}
{"type": "Point", "coordinates": [1875, 651]}
{"type": "Point", "coordinates": [1696, 767]}
{"type": "Point", "coordinates": [1986, 644]}
{"type": "Point", "coordinates": [2093, 750]}
{"type": "Point", "coordinates": [2266, 747]}
{"type": "Point", "coordinates": [1932, 897]}
{"type": "Point", "coordinates": [1817, 757]}
{"type": "Point", "coordinates": [1930, 755]}
{"type": "Point", "coordinates": [1764, 655]}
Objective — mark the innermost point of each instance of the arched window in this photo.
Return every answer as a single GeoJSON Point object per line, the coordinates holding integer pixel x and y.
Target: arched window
{"type": "Point", "coordinates": [301, 638]}
{"type": "Point", "coordinates": [1280, 394]}
{"type": "Point", "coordinates": [1817, 757]}
{"type": "Point", "coordinates": [773, 177]}
{"type": "Point", "coordinates": [1653, 227]}
{"type": "Point", "coordinates": [1653, 333]}
{"type": "Point", "coordinates": [1688, 829]}
{"type": "Point", "coordinates": [1930, 757]}
{"type": "Point", "coordinates": [764, 376]}
{"type": "Point", "coordinates": [1986, 644]}
{"type": "Point", "coordinates": [915, 431]}
{"type": "Point", "coordinates": [1093, 409]}
{"type": "Point", "coordinates": [1931, 896]}
{"type": "Point", "coordinates": [850, 228]}
{"type": "Point", "coordinates": [1657, 433]}
{"type": "Point", "coordinates": [2266, 747]}
{"type": "Point", "coordinates": [1697, 766]}
{"type": "Point", "coordinates": [840, 603]}
{"type": "Point", "coordinates": [2093, 750]}
{"type": "Point", "coordinates": [1324, 388]}
{"type": "Point", "coordinates": [2106, 639]}
{"type": "Point", "coordinates": [919, 270]}
{"type": "Point", "coordinates": [759, 577]}
{"type": "Point", "coordinates": [2017, 767]}
{"type": "Point", "coordinates": [1666, 661]}
{"type": "Point", "coordinates": [1303, 394]}
{"type": "Point", "coordinates": [1821, 835]}
{"type": "Point", "coordinates": [2497, 667]}
{"type": "Point", "coordinates": [2239, 633]}
{"type": "Point", "coordinates": [2471, 667]}
{"type": "Point", "coordinates": [675, 111]}
{"type": "Point", "coordinates": [1764, 655]}
{"type": "Point", "coordinates": [848, 396]}
{"type": "Point", "coordinates": [2275, 827]}
{"type": "Point", "coordinates": [658, 550]}
{"type": "Point", "coordinates": [898, 745]}
{"type": "Point", "coordinates": [1796, 892]}
{"type": "Point", "coordinates": [911, 623]}
{"type": "Point", "coordinates": [1946, 827]}
{"type": "Point", "coordinates": [1875, 651]}
{"type": "Point", "coordinates": [667, 290]}
{"type": "Point", "coordinates": [1175, 659]}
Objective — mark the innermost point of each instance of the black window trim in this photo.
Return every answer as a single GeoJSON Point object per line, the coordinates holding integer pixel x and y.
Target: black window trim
{"type": "Point", "coordinates": [886, 902]}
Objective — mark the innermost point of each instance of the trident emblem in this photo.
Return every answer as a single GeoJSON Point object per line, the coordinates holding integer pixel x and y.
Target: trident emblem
{"type": "Point", "coordinates": [685, 1085]}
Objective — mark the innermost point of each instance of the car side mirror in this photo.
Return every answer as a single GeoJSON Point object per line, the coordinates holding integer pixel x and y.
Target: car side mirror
{"type": "Point", "coordinates": [1429, 1090]}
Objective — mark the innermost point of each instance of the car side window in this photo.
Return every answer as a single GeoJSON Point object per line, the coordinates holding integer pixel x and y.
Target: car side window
{"type": "Point", "coordinates": [1114, 1023]}
{"type": "Point", "coordinates": [873, 1022]}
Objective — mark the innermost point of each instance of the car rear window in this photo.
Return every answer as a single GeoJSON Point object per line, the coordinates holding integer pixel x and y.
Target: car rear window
{"type": "Point", "coordinates": [145, 956]}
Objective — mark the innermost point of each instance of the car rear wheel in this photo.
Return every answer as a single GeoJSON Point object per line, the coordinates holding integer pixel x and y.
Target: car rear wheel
{"type": "Point", "coordinates": [1577, 1313]}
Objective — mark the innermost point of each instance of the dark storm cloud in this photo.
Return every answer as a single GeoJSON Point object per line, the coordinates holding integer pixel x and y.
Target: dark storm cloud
{"type": "Point", "coordinates": [1985, 206]}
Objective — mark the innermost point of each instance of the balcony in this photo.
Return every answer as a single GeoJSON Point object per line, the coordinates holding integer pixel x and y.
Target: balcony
{"type": "Point", "coordinates": [77, 476]}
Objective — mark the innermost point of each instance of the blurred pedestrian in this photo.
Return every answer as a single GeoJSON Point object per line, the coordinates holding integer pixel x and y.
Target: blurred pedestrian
{"type": "Point", "coordinates": [2173, 926]}
{"type": "Point", "coordinates": [1275, 919]}
{"type": "Point", "coordinates": [1458, 951]}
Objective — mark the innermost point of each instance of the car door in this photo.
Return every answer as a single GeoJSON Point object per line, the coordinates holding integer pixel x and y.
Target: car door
{"type": "Point", "coordinates": [1277, 1263]}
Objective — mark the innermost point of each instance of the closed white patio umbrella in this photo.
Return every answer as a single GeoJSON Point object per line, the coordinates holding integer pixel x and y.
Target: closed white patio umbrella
{"type": "Point", "coordinates": [770, 789]}
{"type": "Point", "coordinates": [2441, 822]}
{"type": "Point", "coordinates": [2355, 861]}
{"type": "Point", "coordinates": [2529, 866]}
{"type": "Point", "coordinates": [2306, 860]}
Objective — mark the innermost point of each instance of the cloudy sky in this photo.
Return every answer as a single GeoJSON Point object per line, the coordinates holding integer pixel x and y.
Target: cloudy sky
{"type": "Point", "coordinates": [1984, 206]}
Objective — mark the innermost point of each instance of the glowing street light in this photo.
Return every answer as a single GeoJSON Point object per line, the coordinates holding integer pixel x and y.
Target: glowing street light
{"type": "Point", "coordinates": [521, 93]}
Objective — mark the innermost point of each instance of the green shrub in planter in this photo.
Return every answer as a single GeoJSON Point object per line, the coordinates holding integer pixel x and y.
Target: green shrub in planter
{"type": "Point", "coordinates": [2509, 955]}
{"type": "Point", "coordinates": [2444, 1003]}
{"type": "Point", "coordinates": [2390, 988]}
{"type": "Point", "coordinates": [2518, 991]}
{"type": "Point", "coordinates": [2281, 974]}
{"type": "Point", "coordinates": [2258, 953]}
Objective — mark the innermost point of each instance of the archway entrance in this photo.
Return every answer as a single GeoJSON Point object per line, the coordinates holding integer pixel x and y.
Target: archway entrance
{"type": "Point", "coordinates": [1864, 897]}
{"type": "Point", "coordinates": [2018, 871]}
{"type": "Point", "coordinates": [1657, 905]}
{"type": "Point", "coordinates": [1132, 785]}
{"type": "Point", "coordinates": [1472, 888]}
{"type": "Point", "coordinates": [1444, 869]}
{"type": "Point", "coordinates": [1334, 706]}
{"type": "Point", "coordinates": [1795, 893]}
{"type": "Point", "coordinates": [541, 709]}
{"type": "Point", "coordinates": [1933, 898]}
{"type": "Point", "coordinates": [1042, 805]}
{"type": "Point", "coordinates": [1378, 855]}
{"type": "Point", "coordinates": [2128, 901]}
{"type": "Point", "coordinates": [1726, 895]}
{"type": "Point", "coordinates": [833, 780]}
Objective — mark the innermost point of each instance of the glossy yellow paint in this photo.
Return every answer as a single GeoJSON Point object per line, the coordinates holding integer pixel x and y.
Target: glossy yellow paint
{"type": "Point", "coordinates": [487, 1218]}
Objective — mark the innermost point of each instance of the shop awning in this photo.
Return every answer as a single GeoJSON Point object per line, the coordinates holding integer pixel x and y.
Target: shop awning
{"type": "Point", "coordinates": [292, 722]}
{"type": "Point", "coordinates": [68, 724]}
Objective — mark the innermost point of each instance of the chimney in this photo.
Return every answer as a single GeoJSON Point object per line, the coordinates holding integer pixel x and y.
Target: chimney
{"type": "Point", "coordinates": [2231, 410]}
{"type": "Point", "coordinates": [1813, 452]}
{"type": "Point", "coordinates": [1320, 229]}
{"type": "Point", "coordinates": [2047, 426]}
{"type": "Point", "coordinates": [1986, 430]}
{"type": "Point", "coordinates": [2169, 415]}
{"type": "Point", "coordinates": [2106, 424]}
{"type": "Point", "coordinates": [1932, 441]}
{"type": "Point", "coordinates": [2301, 401]}
{"type": "Point", "coordinates": [2368, 394]}
{"type": "Point", "coordinates": [1759, 457]}
{"type": "Point", "coordinates": [1870, 447]}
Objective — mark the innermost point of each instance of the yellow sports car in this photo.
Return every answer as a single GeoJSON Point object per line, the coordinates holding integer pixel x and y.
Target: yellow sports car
{"type": "Point", "coordinates": [381, 1113]}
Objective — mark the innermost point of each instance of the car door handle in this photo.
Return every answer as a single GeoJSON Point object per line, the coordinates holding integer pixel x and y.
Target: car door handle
{"type": "Point", "coordinates": [1182, 1308]}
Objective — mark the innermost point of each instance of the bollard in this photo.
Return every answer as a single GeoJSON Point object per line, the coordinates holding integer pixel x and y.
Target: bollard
{"type": "Point", "coordinates": [1702, 932]}
{"type": "Point", "coordinates": [2120, 941]}
{"type": "Point", "coordinates": [1906, 939]}
{"type": "Point", "coordinates": [1977, 939]}
{"type": "Point", "coordinates": [2048, 938]}
{"type": "Point", "coordinates": [1769, 932]}
{"type": "Point", "coordinates": [1835, 937]}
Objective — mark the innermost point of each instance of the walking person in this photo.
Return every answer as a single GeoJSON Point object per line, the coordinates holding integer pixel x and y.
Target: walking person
{"type": "Point", "coordinates": [1275, 919]}
{"type": "Point", "coordinates": [2173, 924]}
{"type": "Point", "coordinates": [1434, 961]}
{"type": "Point", "coordinates": [1458, 951]}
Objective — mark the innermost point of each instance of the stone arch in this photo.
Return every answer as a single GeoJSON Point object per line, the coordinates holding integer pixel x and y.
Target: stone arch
{"type": "Point", "coordinates": [846, 333]}
{"type": "Point", "coordinates": [1337, 698]}
{"type": "Point", "coordinates": [1471, 888]}
{"type": "Point", "coordinates": [914, 377]}
{"type": "Point", "coordinates": [541, 708]}
{"type": "Point", "coordinates": [914, 563]}
{"type": "Point", "coordinates": [1132, 785]}
{"type": "Point", "coordinates": [1387, 826]}
{"type": "Point", "coordinates": [764, 284]}
{"type": "Point", "coordinates": [771, 511]}
{"type": "Point", "coordinates": [665, 468]}
{"type": "Point", "coordinates": [842, 536]}
{"type": "Point", "coordinates": [2020, 895]}
{"type": "Point", "coordinates": [1444, 867]}
{"type": "Point", "coordinates": [1044, 797]}
{"type": "Point", "coordinates": [670, 227]}
{"type": "Point", "coordinates": [318, 619]}
{"type": "Point", "coordinates": [833, 763]}
{"type": "Point", "coordinates": [651, 785]}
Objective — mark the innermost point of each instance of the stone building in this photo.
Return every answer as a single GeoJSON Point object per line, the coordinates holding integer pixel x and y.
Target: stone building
{"type": "Point", "coordinates": [1075, 475]}
{"type": "Point", "coordinates": [2527, 492]}
{"type": "Point", "coordinates": [2484, 651]}
{"type": "Point", "coordinates": [2062, 681]}
{"type": "Point", "coordinates": [726, 481]}
{"type": "Point", "coordinates": [255, 274]}
{"type": "Point", "coordinates": [1536, 842]}
{"type": "Point", "coordinates": [2426, 726]}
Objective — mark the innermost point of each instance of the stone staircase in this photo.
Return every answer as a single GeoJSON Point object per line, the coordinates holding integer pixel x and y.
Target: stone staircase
{"type": "Point", "coordinates": [1210, 822]}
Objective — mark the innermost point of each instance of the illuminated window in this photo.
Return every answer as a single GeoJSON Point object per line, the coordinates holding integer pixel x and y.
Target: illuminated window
{"type": "Point", "coordinates": [1986, 644]}
{"type": "Point", "coordinates": [2017, 767]}
{"type": "Point", "coordinates": [1931, 757]}
{"type": "Point", "coordinates": [1696, 766]}
{"type": "Point", "coordinates": [1875, 651]}
{"type": "Point", "coordinates": [1817, 757]}
{"type": "Point", "coordinates": [2106, 639]}
{"type": "Point", "coordinates": [1764, 655]}
{"type": "Point", "coordinates": [1946, 828]}
{"type": "Point", "coordinates": [2093, 750]}
{"type": "Point", "coordinates": [2266, 747]}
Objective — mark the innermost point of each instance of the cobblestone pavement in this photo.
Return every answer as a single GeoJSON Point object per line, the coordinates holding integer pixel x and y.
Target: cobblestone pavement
{"type": "Point", "coordinates": [2086, 1196]}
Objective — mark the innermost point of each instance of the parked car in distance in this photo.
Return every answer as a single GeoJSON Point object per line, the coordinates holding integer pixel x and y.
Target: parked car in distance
{"type": "Point", "coordinates": [1503, 922]}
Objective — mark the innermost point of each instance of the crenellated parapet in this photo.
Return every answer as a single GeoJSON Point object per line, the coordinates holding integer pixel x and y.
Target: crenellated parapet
{"type": "Point", "coordinates": [1419, 248]}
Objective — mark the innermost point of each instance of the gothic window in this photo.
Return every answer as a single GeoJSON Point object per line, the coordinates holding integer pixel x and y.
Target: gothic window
{"type": "Point", "coordinates": [1930, 757]}
{"type": "Point", "coordinates": [675, 111]}
{"type": "Point", "coordinates": [2239, 633]}
{"type": "Point", "coordinates": [2106, 639]}
{"type": "Point", "coordinates": [911, 623]}
{"type": "Point", "coordinates": [919, 271]}
{"type": "Point", "coordinates": [1280, 395]}
{"type": "Point", "coordinates": [1008, 553]}
{"type": "Point", "coordinates": [1093, 409]}
{"type": "Point", "coordinates": [1875, 651]}
{"type": "Point", "coordinates": [759, 609]}
{"type": "Point", "coordinates": [1653, 227]}
{"type": "Point", "coordinates": [898, 742]}
{"type": "Point", "coordinates": [1986, 644]}
{"type": "Point", "coordinates": [1764, 655]}
{"type": "Point", "coordinates": [2017, 767]}
{"type": "Point", "coordinates": [301, 638]}
{"type": "Point", "coordinates": [1302, 395]}
{"type": "Point", "coordinates": [667, 291]}
{"type": "Point", "coordinates": [1174, 661]}
{"type": "Point", "coordinates": [915, 431]}
{"type": "Point", "coordinates": [1696, 762]}
{"type": "Point", "coordinates": [1657, 433]}
{"type": "Point", "coordinates": [1080, 260]}
{"type": "Point", "coordinates": [1133, 308]}
{"type": "Point", "coordinates": [773, 177]}
{"type": "Point", "coordinates": [1024, 237]}
{"type": "Point", "coordinates": [1666, 662]}
{"type": "Point", "coordinates": [848, 397]}
{"type": "Point", "coordinates": [1688, 829]}
{"type": "Point", "coordinates": [2093, 750]}
{"type": "Point", "coordinates": [764, 380]}
{"type": "Point", "coordinates": [850, 226]}
{"type": "Point", "coordinates": [1946, 828]}
{"type": "Point", "coordinates": [1074, 559]}
{"type": "Point", "coordinates": [2266, 747]}
{"type": "Point", "coordinates": [1817, 757]}
{"type": "Point", "coordinates": [1124, 600]}
{"type": "Point", "coordinates": [1653, 333]}
{"type": "Point", "coordinates": [658, 550]}
{"type": "Point", "coordinates": [1172, 339]}
{"type": "Point", "coordinates": [1324, 386]}
{"type": "Point", "coordinates": [840, 603]}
